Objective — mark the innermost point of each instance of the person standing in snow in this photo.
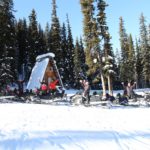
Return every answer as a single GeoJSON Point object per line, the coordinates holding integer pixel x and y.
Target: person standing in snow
{"type": "Point", "coordinates": [86, 91]}
{"type": "Point", "coordinates": [128, 89]}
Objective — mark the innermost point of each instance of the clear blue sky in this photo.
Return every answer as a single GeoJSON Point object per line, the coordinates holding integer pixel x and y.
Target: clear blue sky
{"type": "Point", "coordinates": [130, 10]}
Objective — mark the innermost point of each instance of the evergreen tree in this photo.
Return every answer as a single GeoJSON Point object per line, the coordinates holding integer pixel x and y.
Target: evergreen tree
{"type": "Point", "coordinates": [64, 47]}
{"type": "Point", "coordinates": [145, 48]}
{"type": "Point", "coordinates": [41, 41]}
{"type": "Point", "coordinates": [82, 57]}
{"type": "Point", "coordinates": [117, 79]}
{"type": "Point", "coordinates": [124, 51]}
{"type": "Point", "coordinates": [90, 37]}
{"type": "Point", "coordinates": [33, 39]}
{"type": "Point", "coordinates": [96, 33]}
{"type": "Point", "coordinates": [131, 59]}
{"type": "Point", "coordinates": [47, 37]}
{"type": "Point", "coordinates": [22, 44]}
{"type": "Point", "coordinates": [70, 53]}
{"type": "Point", "coordinates": [77, 61]}
{"type": "Point", "coordinates": [149, 35]}
{"type": "Point", "coordinates": [82, 53]}
{"type": "Point", "coordinates": [108, 62]}
{"type": "Point", "coordinates": [8, 68]}
{"type": "Point", "coordinates": [55, 35]}
{"type": "Point", "coordinates": [55, 32]}
{"type": "Point", "coordinates": [138, 66]}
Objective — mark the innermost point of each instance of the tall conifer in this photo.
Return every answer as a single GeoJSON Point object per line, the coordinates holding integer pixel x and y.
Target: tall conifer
{"type": "Point", "coordinates": [104, 36]}
{"type": "Point", "coordinates": [55, 37]}
{"type": "Point", "coordinates": [22, 42]}
{"type": "Point", "coordinates": [82, 52]}
{"type": "Point", "coordinates": [33, 38]}
{"type": "Point", "coordinates": [77, 61]}
{"type": "Point", "coordinates": [41, 41]}
{"type": "Point", "coordinates": [70, 53]}
{"type": "Point", "coordinates": [145, 48]}
{"type": "Point", "coordinates": [47, 37]}
{"type": "Point", "coordinates": [64, 47]}
{"type": "Point", "coordinates": [8, 50]}
{"type": "Point", "coordinates": [90, 37]}
{"type": "Point", "coordinates": [124, 45]}
{"type": "Point", "coordinates": [138, 66]}
{"type": "Point", "coordinates": [131, 59]}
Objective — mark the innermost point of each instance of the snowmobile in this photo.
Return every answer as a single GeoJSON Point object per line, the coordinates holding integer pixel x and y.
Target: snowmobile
{"type": "Point", "coordinates": [77, 99]}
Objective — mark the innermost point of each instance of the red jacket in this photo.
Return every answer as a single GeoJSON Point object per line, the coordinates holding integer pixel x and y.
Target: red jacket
{"type": "Point", "coordinates": [52, 85]}
{"type": "Point", "coordinates": [43, 87]}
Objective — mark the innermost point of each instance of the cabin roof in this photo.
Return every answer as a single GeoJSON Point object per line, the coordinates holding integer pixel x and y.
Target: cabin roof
{"type": "Point", "coordinates": [47, 55]}
{"type": "Point", "coordinates": [37, 74]}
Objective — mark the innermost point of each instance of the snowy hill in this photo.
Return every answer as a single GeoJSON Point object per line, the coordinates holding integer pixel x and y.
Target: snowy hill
{"type": "Point", "coordinates": [47, 127]}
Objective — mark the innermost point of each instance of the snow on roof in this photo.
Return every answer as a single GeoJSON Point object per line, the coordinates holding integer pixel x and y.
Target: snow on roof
{"type": "Point", "coordinates": [37, 74]}
{"type": "Point", "coordinates": [45, 56]}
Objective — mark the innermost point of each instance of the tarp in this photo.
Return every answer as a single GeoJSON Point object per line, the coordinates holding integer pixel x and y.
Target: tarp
{"type": "Point", "coordinates": [37, 74]}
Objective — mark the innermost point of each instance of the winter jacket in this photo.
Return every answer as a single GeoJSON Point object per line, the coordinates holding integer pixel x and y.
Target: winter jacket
{"type": "Point", "coordinates": [43, 87]}
{"type": "Point", "coordinates": [86, 85]}
{"type": "Point", "coordinates": [52, 85]}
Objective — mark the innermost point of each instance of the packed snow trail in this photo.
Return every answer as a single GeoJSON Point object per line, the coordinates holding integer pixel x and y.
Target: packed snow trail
{"type": "Point", "coordinates": [46, 127]}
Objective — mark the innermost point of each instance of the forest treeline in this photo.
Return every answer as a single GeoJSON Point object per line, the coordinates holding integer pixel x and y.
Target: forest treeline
{"type": "Point", "coordinates": [91, 56]}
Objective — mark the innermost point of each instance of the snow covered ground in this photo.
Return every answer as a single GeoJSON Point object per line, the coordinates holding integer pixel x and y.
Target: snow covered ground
{"type": "Point", "coordinates": [51, 127]}
{"type": "Point", "coordinates": [45, 127]}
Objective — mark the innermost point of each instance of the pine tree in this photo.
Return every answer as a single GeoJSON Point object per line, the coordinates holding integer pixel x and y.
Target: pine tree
{"type": "Point", "coordinates": [41, 41]}
{"type": "Point", "coordinates": [70, 53]}
{"type": "Point", "coordinates": [145, 48]}
{"type": "Point", "coordinates": [96, 33]}
{"type": "Point", "coordinates": [77, 62]}
{"type": "Point", "coordinates": [8, 67]}
{"type": "Point", "coordinates": [47, 37]}
{"type": "Point", "coordinates": [117, 70]}
{"type": "Point", "coordinates": [90, 36]}
{"type": "Point", "coordinates": [64, 47]}
{"type": "Point", "coordinates": [108, 62]}
{"type": "Point", "coordinates": [82, 58]}
{"type": "Point", "coordinates": [82, 53]}
{"type": "Point", "coordinates": [124, 51]}
{"type": "Point", "coordinates": [131, 59]}
{"type": "Point", "coordinates": [149, 34]}
{"type": "Point", "coordinates": [22, 44]}
{"type": "Point", "coordinates": [138, 66]}
{"type": "Point", "coordinates": [55, 39]}
{"type": "Point", "coordinates": [33, 39]}
{"type": "Point", "coordinates": [55, 35]}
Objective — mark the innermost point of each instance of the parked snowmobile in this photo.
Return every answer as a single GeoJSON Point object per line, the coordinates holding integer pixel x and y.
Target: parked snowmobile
{"type": "Point", "coordinates": [45, 72]}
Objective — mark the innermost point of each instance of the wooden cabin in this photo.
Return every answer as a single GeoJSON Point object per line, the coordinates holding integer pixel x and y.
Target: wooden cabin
{"type": "Point", "coordinates": [45, 69]}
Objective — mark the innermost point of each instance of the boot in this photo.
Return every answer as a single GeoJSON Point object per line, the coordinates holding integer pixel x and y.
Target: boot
{"type": "Point", "coordinates": [83, 99]}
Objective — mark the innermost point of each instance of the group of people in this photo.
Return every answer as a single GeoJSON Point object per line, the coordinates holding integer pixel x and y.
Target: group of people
{"type": "Point", "coordinates": [52, 87]}
{"type": "Point", "coordinates": [128, 93]}
{"type": "Point", "coordinates": [14, 88]}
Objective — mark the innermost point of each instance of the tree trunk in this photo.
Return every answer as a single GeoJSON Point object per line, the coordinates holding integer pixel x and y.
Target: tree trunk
{"type": "Point", "coordinates": [110, 89]}
{"type": "Point", "coordinates": [103, 85]}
